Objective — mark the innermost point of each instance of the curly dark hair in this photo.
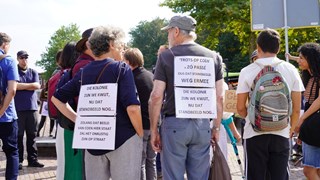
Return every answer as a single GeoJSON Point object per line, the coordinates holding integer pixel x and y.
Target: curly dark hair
{"type": "Point", "coordinates": [311, 52]}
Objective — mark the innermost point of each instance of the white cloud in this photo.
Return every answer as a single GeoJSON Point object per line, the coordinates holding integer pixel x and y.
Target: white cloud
{"type": "Point", "coordinates": [31, 23]}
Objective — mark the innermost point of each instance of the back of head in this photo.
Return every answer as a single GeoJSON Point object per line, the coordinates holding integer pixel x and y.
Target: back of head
{"type": "Point", "coordinates": [58, 56]}
{"type": "Point", "coordinates": [81, 44]}
{"type": "Point", "coordinates": [134, 56]}
{"type": "Point", "coordinates": [4, 38]}
{"type": "Point", "coordinates": [102, 36]}
{"type": "Point", "coordinates": [269, 41]}
{"type": "Point", "coordinates": [69, 55]}
{"type": "Point", "coordinates": [186, 24]}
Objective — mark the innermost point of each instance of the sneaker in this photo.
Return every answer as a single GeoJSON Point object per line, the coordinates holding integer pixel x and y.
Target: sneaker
{"type": "Point", "coordinates": [20, 166]}
{"type": "Point", "coordinates": [36, 164]}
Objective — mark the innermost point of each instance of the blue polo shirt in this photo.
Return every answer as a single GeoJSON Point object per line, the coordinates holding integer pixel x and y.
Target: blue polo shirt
{"type": "Point", "coordinates": [126, 94]}
{"type": "Point", "coordinates": [9, 72]}
{"type": "Point", "coordinates": [26, 100]}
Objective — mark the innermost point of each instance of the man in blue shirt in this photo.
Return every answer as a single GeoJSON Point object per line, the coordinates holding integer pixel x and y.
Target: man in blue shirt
{"type": "Point", "coordinates": [8, 115]}
{"type": "Point", "coordinates": [27, 109]}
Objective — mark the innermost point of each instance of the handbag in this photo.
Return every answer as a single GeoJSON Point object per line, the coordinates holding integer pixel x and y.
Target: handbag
{"type": "Point", "coordinates": [219, 169]}
{"type": "Point", "coordinates": [310, 128]}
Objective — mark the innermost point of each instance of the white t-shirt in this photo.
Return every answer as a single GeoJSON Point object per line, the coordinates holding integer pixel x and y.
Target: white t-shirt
{"type": "Point", "coordinates": [248, 74]}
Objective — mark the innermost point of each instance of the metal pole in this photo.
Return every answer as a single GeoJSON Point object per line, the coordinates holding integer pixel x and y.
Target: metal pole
{"type": "Point", "coordinates": [286, 27]}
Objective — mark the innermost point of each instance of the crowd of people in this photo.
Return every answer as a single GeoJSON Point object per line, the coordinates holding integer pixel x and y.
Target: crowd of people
{"type": "Point", "coordinates": [167, 120]}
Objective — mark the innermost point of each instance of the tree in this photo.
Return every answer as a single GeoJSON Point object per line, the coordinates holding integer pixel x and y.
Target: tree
{"type": "Point", "coordinates": [216, 17]}
{"type": "Point", "coordinates": [57, 41]}
{"type": "Point", "coordinates": [147, 36]}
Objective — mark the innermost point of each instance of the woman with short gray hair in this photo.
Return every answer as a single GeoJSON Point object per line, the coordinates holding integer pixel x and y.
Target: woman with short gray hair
{"type": "Point", "coordinates": [124, 162]}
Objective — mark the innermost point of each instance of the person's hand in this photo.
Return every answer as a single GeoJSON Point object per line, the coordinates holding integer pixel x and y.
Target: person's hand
{"type": "Point", "coordinates": [155, 141]}
{"type": "Point", "coordinates": [237, 136]}
{"type": "Point", "coordinates": [299, 141]}
{"type": "Point", "coordinates": [288, 55]}
{"type": "Point", "coordinates": [298, 125]}
{"type": "Point", "coordinates": [215, 136]}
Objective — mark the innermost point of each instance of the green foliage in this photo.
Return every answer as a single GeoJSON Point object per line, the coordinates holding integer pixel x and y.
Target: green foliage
{"type": "Point", "coordinates": [57, 41]}
{"type": "Point", "coordinates": [147, 36]}
{"type": "Point", "coordinates": [217, 17]}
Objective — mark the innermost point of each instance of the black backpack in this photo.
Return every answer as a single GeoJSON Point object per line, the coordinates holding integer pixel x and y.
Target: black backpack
{"type": "Point", "coordinates": [63, 121]}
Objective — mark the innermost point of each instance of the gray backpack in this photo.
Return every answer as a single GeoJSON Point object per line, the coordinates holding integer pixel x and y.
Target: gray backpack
{"type": "Point", "coordinates": [270, 102]}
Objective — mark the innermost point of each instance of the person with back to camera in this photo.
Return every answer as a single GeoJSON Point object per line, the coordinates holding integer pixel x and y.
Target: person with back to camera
{"type": "Point", "coordinates": [309, 63]}
{"type": "Point", "coordinates": [184, 142]}
{"type": "Point", "coordinates": [144, 83]}
{"type": "Point", "coordinates": [69, 162]}
{"type": "Point", "coordinates": [27, 110]}
{"type": "Point", "coordinates": [106, 43]}
{"type": "Point", "coordinates": [269, 148]}
{"type": "Point", "coordinates": [44, 95]}
{"type": "Point", "coordinates": [8, 116]}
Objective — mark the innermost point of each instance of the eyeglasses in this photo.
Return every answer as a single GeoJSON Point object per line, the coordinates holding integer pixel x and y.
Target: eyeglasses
{"type": "Point", "coordinates": [23, 57]}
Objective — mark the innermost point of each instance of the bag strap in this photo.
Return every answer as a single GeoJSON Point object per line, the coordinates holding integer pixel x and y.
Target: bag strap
{"type": "Point", "coordinates": [315, 80]}
{"type": "Point", "coordinates": [101, 72]}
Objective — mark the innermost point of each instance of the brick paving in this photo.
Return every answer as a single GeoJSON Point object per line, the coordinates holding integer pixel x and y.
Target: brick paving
{"type": "Point", "coordinates": [49, 171]}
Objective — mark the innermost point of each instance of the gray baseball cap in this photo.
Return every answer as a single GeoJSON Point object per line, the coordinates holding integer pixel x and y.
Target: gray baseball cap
{"type": "Point", "coordinates": [182, 22]}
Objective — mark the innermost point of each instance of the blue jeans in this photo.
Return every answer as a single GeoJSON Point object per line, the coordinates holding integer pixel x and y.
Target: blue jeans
{"type": "Point", "coordinates": [185, 148]}
{"type": "Point", "coordinates": [9, 137]}
{"type": "Point", "coordinates": [148, 168]}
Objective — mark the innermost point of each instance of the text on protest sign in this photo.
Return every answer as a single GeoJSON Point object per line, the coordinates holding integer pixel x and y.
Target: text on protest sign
{"type": "Point", "coordinates": [97, 99]}
{"type": "Point", "coordinates": [195, 71]}
{"type": "Point", "coordinates": [95, 133]}
{"type": "Point", "coordinates": [195, 102]}
{"type": "Point", "coordinates": [230, 101]}
{"type": "Point", "coordinates": [96, 117]}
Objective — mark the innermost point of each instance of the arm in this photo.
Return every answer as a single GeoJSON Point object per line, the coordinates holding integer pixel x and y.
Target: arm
{"type": "Point", "coordinates": [294, 58]}
{"type": "Point", "coordinates": [12, 87]}
{"type": "Point", "coordinates": [296, 106]}
{"type": "Point", "coordinates": [28, 86]}
{"type": "Point", "coordinates": [234, 131]}
{"type": "Point", "coordinates": [65, 109]}
{"type": "Point", "coordinates": [219, 101]}
{"type": "Point", "coordinates": [155, 104]}
{"type": "Point", "coordinates": [241, 104]}
{"type": "Point", "coordinates": [134, 113]}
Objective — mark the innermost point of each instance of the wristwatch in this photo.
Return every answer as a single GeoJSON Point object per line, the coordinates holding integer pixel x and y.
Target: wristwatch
{"type": "Point", "coordinates": [216, 128]}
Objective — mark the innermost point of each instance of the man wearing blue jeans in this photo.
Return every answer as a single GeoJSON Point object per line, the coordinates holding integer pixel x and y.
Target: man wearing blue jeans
{"type": "Point", "coordinates": [8, 115]}
{"type": "Point", "coordinates": [184, 140]}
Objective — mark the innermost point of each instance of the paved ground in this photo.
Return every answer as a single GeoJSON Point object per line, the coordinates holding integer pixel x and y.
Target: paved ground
{"type": "Point", "coordinates": [48, 172]}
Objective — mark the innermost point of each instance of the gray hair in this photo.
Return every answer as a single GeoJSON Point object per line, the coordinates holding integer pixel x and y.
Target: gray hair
{"type": "Point", "coordinates": [4, 38]}
{"type": "Point", "coordinates": [102, 36]}
{"type": "Point", "coordinates": [190, 34]}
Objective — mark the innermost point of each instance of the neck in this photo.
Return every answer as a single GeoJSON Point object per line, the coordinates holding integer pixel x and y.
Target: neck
{"type": "Point", "coordinates": [267, 55]}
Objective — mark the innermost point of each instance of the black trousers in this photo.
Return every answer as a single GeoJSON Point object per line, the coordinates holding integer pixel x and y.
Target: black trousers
{"type": "Point", "coordinates": [27, 122]}
{"type": "Point", "coordinates": [267, 157]}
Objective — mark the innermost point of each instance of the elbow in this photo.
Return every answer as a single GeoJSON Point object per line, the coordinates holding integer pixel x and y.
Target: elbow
{"type": "Point", "coordinates": [133, 109]}
{"type": "Point", "coordinates": [155, 98]}
{"type": "Point", "coordinates": [242, 111]}
{"type": "Point", "coordinates": [11, 92]}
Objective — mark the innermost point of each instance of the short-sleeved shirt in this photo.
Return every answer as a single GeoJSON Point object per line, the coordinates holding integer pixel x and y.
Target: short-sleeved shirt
{"type": "Point", "coordinates": [248, 74]}
{"type": "Point", "coordinates": [165, 69]}
{"type": "Point", "coordinates": [10, 72]}
{"type": "Point", "coordinates": [26, 100]}
{"type": "Point", "coordinates": [126, 94]}
{"type": "Point", "coordinates": [144, 83]}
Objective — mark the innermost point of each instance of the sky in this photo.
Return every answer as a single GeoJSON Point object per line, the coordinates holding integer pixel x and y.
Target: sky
{"type": "Point", "coordinates": [31, 23]}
